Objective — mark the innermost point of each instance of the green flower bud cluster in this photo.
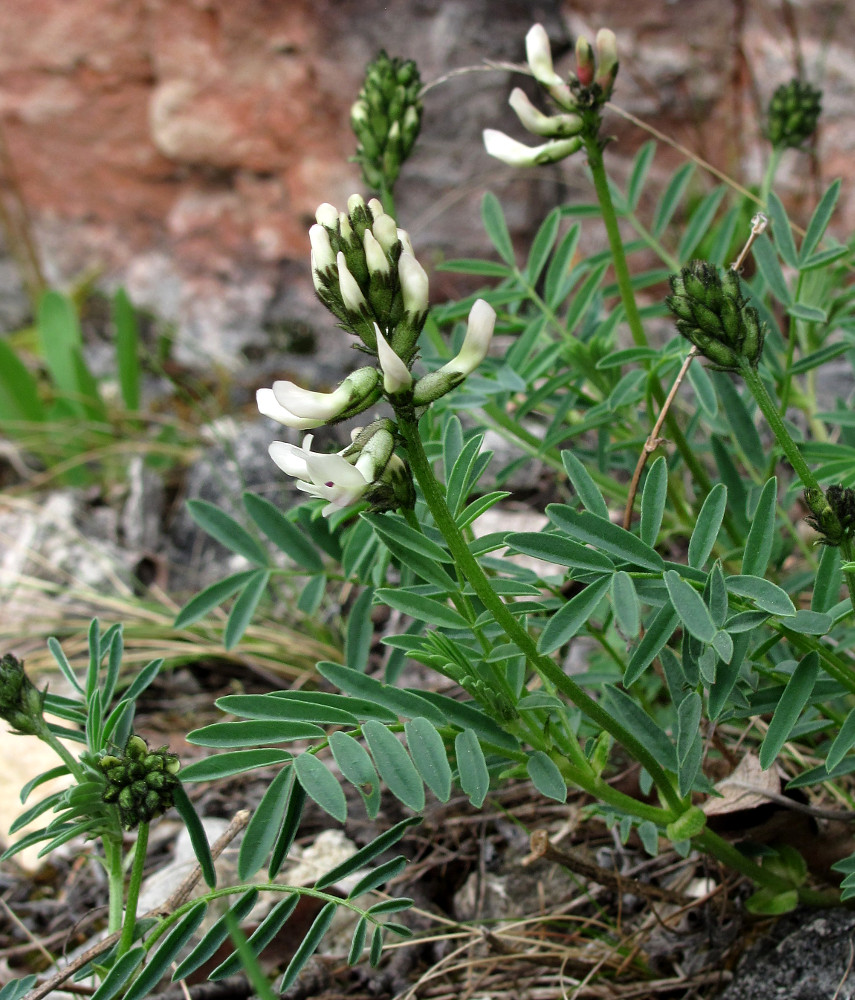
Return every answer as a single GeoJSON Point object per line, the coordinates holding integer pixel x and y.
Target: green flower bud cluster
{"type": "Point", "coordinates": [21, 703]}
{"type": "Point", "coordinates": [832, 513]}
{"type": "Point", "coordinates": [793, 114]}
{"type": "Point", "coordinates": [391, 487]}
{"type": "Point", "coordinates": [386, 119]}
{"type": "Point", "coordinates": [713, 314]}
{"type": "Point", "coordinates": [366, 274]}
{"type": "Point", "coordinates": [141, 782]}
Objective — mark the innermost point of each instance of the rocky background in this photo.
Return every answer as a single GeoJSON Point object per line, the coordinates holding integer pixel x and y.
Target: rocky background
{"type": "Point", "coordinates": [180, 147]}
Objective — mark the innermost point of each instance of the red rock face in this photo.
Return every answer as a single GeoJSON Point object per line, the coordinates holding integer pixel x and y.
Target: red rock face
{"type": "Point", "coordinates": [181, 146]}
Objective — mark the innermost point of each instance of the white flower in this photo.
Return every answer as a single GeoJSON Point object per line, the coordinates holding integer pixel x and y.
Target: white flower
{"type": "Point", "coordinates": [539, 56]}
{"type": "Point", "coordinates": [517, 154]}
{"type": "Point", "coordinates": [270, 407]}
{"type": "Point", "coordinates": [328, 477]}
{"type": "Point", "coordinates": [396, 375]}
{"type": "Point", "coordinates": [476, 343]}
{"type": "Point", "coordinates": [406, 242]}
{"type": "Point", "coordinates": [317, 405]}
{"type": "Point", "coordinates": [536, 122]}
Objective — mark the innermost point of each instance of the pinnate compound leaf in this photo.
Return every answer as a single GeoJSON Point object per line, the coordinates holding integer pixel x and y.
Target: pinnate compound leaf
{"type": "Point", "coordinates": [428, 753]}
{"type": "Point", "coordinates": [321, 785]}
{"type": "Point", "coordinates": [472, 767]}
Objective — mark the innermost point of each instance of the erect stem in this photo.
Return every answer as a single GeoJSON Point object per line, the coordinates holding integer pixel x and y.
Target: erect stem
{"type": "Point", "coordinates": [115, 881]}
{"type": "Point", "coordinates": [134, 890]}
{"type": "Point", "coordinates": [543, 665]}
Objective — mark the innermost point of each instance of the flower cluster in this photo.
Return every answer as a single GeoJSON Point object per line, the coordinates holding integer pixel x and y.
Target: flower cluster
{"type": "Point", "coordinates": [21, 703]}
{"type": "Point", "coordinates": [366, 274]}
{"type": "Point", "coordinates": [141, 782]}
{"type": "Point", "coordinates": [386, 119]}
{"type": "Point", "coordinates": [579, 98]}
{"type": "Point", "coordinates": [714, 315]}
{"type": "Point", "coordinates": [832, 513]}
{"type": "Point", "coordinates": [793, 114]}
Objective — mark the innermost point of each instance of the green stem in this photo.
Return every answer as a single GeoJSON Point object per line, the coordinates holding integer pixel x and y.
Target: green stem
{"type": "Point", "coordinates": [776, 423]}
{"type": "Point", "coordinates": [846, 550]}
{"type": "Point", "coordinates": [545, 667]}
{"type": "Point", "coordinates": [115, 880]}
{"type": "Point", "coordinates": [64, 754]}
{"type": "Point", "coordinates": [718, 847]}
{"type": "Point", "coordinates": [134, 890]}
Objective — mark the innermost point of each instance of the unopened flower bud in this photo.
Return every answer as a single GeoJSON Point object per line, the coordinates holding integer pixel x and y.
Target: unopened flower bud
{"type": "Point", "coordinates": [607, 60]}
{"type": "Point", "coordinates": [385, 232]}
{"type": "Point", "coordinates": [375, 207]}
{"type": "Point", "coordinates": [584, 61]}
{"type": "Point", "coordinates": [322, 252]}
{"type": "Point", "coordinates": [143, 784]}
{"type": "Point", "coordinates": [351, 293]}
{"type": "Point", "coordinates": [414, 284]}
{"type": "Point", "coordinates": [406, 243]}
{"type": "Point", "coordinates": [327, 215]}
{"type": "Point", "coordinates": [21, 703]}
{"type": "Point", "coordinates": [396, 375]}
{"type": "Point", "coordinates": [375, 258]}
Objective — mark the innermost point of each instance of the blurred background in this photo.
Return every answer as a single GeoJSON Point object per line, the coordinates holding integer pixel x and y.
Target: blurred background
{"type": "Point", "coordinates": [179, 148]}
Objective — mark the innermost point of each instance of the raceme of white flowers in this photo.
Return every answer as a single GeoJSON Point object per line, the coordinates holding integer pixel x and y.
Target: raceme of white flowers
{"type": "Point", "coordinates": [367, 275]}
{"type": "Point", "coordinates": [585, 90]}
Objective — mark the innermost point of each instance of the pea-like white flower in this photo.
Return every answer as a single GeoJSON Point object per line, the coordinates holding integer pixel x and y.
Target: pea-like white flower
{"type": "Point", "coordinates": [517, 154]}
{"type": "Point", "coordinates": [476, 343]}
{"type": "Point", "coordinates": [536, 122]}
{"type": "Point", "coordinates": [269, 406]}
{"type": "Point", "coordinates": [328, 477]}
{"type": "Point", "coordinates": [539, 56]}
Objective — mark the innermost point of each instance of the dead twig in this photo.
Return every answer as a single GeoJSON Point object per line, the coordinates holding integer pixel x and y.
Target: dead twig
{"type": "Point", "coordinates": [541, 848]}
